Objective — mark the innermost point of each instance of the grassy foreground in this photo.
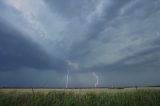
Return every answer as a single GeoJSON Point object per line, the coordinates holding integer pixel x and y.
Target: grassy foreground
{"type": "Point", "coordinates": [80, 97]}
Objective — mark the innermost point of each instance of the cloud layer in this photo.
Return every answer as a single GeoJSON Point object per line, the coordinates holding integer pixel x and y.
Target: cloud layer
{"type": "Point", "coordinates": [107, 37]}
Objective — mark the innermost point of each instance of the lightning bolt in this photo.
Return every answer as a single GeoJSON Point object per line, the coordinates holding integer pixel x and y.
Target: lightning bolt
{"type": "Point", "coordinates": [97, 79]}
{"type": "Point", "coordinates": [71, 66]}
{"type": "Point", "coordinates": [67, 79]}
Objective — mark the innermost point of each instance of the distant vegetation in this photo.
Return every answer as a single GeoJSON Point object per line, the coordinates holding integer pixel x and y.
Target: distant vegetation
{"type": "Point", "coordinates": [92, 97]}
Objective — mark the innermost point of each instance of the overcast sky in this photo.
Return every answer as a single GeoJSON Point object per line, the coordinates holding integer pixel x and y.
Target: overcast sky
{"type": "Point", "coordinates": [94, 42]}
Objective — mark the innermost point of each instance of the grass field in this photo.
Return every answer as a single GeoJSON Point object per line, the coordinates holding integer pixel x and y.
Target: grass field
{"type": "Point", "coordinates": [80, 97]}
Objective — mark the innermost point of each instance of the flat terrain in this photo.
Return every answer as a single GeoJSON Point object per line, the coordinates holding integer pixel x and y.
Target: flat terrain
{"type": "Point", "coordinates": [88, 90]}
{"type": "Point", "coordinates": [142, 96]}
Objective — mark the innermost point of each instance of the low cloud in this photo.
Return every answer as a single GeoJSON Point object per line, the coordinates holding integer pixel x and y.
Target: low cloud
{"type": "Point", "coordinates": [90, 36]}
{"type": "Point", "coordinates": [18, 52]}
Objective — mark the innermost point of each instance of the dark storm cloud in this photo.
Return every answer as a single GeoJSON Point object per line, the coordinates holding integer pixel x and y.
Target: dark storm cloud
{"type": "Point", "coordinates": [110, 17]}
{"type": "Point", "coordinates": [18, 52]}
{"type": "Point", "coordinates": [78, 9]}
{"type": "Point", "coordinates": [143, 61]}
{"type": "Point", "coordinates": [114, 18]}
{"type": "Point", "coordinates": [71, 8]}
{"type": "Point", "coordinates": [146, 7]}
{"type": "Point", "coordinates": [109, 37]}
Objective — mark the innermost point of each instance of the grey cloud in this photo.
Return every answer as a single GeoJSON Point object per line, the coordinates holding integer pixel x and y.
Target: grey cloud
{"type": "Point", "coordinates": [18, 52]}
{"type": "Point", "coordinates": [132, 78]}
{"type": "Point", "coordinates": [144, 30]}
{"type": "Point", "coordinates": [143, 61]}
{"type": "Point", "coordinates": [148, 58]}
{"type": "Point", "coordinates": [109, 37]}
{"type": "Point", "coordinates": [71, 8]}
{"type": "Point", "coordinates": [31, 78]}
{"type": "Point", "coordinates": [143, 8]}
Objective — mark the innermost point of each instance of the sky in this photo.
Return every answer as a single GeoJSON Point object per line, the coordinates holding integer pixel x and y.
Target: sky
{"type": "Point", "coordinates": [79, 43]}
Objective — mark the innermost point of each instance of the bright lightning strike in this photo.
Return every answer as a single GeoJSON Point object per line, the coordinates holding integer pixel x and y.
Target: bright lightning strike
{"type": "Point", "coordinates": [97, 79]}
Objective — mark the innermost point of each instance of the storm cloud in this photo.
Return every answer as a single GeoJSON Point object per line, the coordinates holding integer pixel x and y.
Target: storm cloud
{"type": "Point", "coordinates": [107, 37]}
{"type": "Point", "coordinates": [18, 52]}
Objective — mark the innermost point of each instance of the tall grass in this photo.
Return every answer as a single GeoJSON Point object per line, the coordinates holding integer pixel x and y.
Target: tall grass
{"type": "Point", "coordinates": [62, 98]}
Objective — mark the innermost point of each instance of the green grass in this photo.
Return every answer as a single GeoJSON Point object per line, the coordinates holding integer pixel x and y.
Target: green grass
{"type": "Point", "coordinates": [142, 97]}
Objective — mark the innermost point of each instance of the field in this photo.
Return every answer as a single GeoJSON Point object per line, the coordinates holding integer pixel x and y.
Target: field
{"type": "Point", "coordinates": [80, 97]}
